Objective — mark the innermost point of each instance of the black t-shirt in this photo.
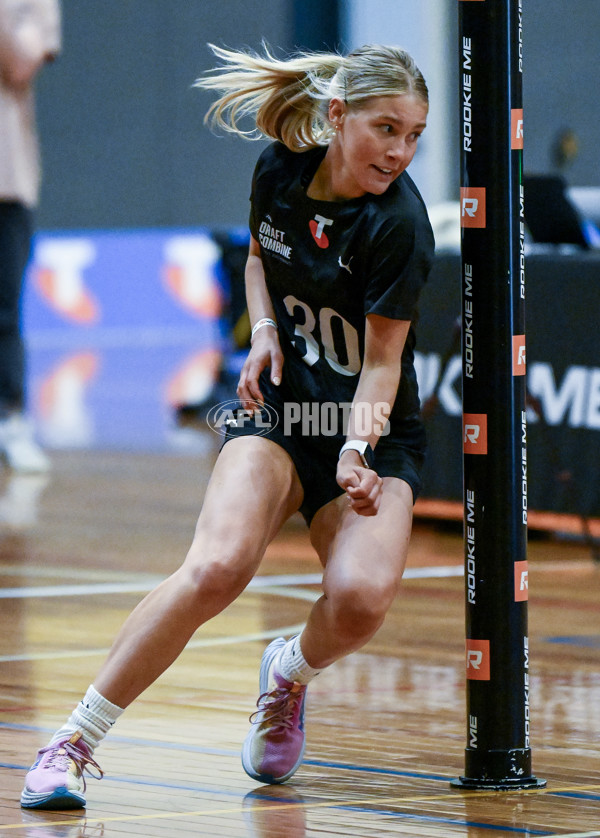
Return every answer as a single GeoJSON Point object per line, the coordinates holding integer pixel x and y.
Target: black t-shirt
{"type": "Point", "coordinates": [329, 264]}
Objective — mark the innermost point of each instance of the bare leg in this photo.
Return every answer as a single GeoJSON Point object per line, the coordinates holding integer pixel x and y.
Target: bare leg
{"type": "Point", "coordinates": [254, 488]}
{"type": "Point", "coordinates": [364, 558]}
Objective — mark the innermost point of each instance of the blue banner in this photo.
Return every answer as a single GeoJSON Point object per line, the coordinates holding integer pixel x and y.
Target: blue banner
{"type": "Point", "coordinates": [120, 327]}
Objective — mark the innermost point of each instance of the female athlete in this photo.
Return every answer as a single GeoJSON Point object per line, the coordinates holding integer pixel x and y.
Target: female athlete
{"type": "Point", "coordinates": [340, 248]}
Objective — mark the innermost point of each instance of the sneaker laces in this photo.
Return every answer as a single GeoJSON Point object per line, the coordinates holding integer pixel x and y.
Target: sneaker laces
{"type": "Point", "coordinates": [277, 707]}
{"type": "Point", "coordinates": [68, 750]}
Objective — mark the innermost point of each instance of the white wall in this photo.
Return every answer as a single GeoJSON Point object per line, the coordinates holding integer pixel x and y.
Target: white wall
{"type": "Point", "coordinates": [428, 30]}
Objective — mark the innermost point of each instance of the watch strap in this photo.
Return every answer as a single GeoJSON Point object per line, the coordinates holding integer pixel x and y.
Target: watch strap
{"type": "Point", "coordinates": [362, 447]}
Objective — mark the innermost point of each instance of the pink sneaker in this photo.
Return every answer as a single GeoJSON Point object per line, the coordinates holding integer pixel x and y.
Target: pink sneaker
{"type": "Point", "coordinates": [274, 747]}
{"type": "Point", "coordinates": [55, 780]}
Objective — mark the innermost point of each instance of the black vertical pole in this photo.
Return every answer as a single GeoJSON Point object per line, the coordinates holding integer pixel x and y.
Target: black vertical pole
{"type": "Point", "coordinates": [498, 754]}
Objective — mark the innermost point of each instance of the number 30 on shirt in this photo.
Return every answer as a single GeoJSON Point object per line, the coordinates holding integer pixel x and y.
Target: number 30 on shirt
{"type": "Point", "coordinates": [312, 350]}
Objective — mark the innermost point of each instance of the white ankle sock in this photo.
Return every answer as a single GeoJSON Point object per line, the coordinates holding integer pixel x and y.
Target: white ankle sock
{"type": "Point", "coordinates": [93, 717]}
{"type": "Point", "coordinates": [291, 664]}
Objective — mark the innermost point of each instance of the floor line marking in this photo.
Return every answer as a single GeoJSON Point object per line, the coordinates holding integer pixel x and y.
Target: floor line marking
{"type": "Point", "coordinates": [136, 741]}
{"type": "Point", "coordinates": [222, 752]}
{"type": "Point", "coordinates": [203, 643]}
{"type": "Point", "coordinates": [147, 584]}
{"type": "Point", "coordinates": [574, 835]}
{"type": "Point", "coordinates": [66, 572]}
{"type": "Point", "coordinates": [79, 590]}
{"type": "Point", "coordinates": [333, 804]}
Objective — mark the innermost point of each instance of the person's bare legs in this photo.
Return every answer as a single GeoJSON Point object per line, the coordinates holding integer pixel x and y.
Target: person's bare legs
{"type": "Point", "coordinates": [253, 489]}
{"type": "Point", "coordinates": [364, 558]}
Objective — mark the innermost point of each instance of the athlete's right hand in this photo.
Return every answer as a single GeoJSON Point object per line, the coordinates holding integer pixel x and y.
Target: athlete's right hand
{"type": "Point", "coordinates": [265, 352]}
{"type": "Point", "coordinates": [363, 486]}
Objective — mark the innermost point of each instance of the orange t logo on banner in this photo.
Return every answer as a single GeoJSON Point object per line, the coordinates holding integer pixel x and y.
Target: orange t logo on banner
{"type": "Point", "coordinates": [472, 206]}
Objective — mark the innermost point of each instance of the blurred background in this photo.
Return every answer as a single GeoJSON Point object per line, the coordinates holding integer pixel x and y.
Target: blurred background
{"type": "Point", "coordinates": [135, 290]}
{"type": "Point", "coordinates": [123, 139]}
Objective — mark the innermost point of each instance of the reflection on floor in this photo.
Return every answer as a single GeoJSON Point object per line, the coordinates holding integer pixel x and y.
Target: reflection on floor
{"type": "Point", "coordinates": [119, 397]}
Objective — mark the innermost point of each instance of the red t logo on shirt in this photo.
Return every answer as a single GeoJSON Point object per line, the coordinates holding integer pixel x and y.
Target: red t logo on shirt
{"type": "Point", "coordinates": [317, 226]}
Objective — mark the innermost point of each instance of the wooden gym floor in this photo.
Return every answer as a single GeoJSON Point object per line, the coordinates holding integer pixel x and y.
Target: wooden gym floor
{"type": "Point", "coordinates": [386, 726]}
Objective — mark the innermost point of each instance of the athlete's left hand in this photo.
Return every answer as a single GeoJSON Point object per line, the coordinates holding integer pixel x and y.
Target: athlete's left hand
{"type": "Point", "coordinates": [363, 486]}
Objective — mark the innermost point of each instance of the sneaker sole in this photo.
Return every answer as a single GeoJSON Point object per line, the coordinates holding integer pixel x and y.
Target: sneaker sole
{"type": "Point", "coordinates": [269, 655]}
{"type": "Point", "coordinates": [61, 798]}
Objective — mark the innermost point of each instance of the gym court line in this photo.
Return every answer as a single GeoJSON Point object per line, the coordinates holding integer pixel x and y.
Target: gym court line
{"type": "Point", "coordinates": [148, 583]}
{"type": "Point", "coordinates": [360, 805]}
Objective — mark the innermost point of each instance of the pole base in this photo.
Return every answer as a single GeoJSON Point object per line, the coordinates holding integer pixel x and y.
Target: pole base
{"type": "Point", "coordinates": [489, 784]}
{"type": "Point", "coordinates": [498, 770]}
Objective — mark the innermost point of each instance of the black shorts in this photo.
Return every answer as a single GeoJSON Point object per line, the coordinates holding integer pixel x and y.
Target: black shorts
{"type": "Point", "coordinates": [315, 457]}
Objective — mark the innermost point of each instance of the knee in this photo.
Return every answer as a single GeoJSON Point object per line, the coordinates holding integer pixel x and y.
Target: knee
{"type": "Point", "coordinates": [217, 576]}
{"type": "Point", "coordinates": [360, 604]}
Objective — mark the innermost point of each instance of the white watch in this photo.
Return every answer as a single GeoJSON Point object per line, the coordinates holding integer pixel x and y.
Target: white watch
{"type": "Point", "coordinates": [364, 449]}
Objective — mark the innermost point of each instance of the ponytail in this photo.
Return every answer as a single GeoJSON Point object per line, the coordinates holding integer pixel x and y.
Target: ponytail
{"type": "Point", "coordinates": [288, 100]}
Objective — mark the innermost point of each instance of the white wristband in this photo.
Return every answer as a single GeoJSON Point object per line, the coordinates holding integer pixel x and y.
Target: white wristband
{"type": "Point", "coordinates": [362, 447]}
{"type": "Point", "coordinates": [264, 321]}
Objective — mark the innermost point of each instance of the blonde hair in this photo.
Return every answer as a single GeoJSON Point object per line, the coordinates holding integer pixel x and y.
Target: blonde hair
{"type": "Point", "coordinates": [289, 99]}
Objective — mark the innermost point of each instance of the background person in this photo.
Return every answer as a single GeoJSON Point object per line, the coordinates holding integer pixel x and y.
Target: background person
{"type": "Point", "coordinates": [29, 38]}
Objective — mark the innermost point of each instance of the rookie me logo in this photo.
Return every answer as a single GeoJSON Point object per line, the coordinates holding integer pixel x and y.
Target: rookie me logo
{"type": "Point", "coordinates": [519, 360]}
{"type": "Point", "coordinates": [472, 206]}
{"type": "Point", "coordinates": [478, 660]}
{"type": "Point", "coordinates": [516, 128]}
{"type": "Point", "coordinates": [475, 433]}
{"type": "Point", "coordinates": [521, 581]}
